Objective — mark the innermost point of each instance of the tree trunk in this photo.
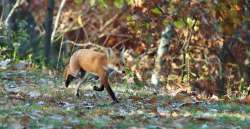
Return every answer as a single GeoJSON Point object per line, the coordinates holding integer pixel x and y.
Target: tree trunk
{"type": "Point", "coordinates": [162, 49]}
{"type": "Point", "coordinates": [57, 19]}
{"type": "Point", "coordinates": [48, 30]}
{"type": "Point", "coordinates": [6, 22]}
{"type": "Point", "coordinates": [6, 7]}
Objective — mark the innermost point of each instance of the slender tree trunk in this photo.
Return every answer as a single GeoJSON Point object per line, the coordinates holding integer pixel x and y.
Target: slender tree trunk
{"type": "Point", "coordinates": [162, 49]}
{"type": "Point", "coordinates": [6, 6]}
{"type": "Point", "coordinates": [7, 11]}
{"type": "Point", "coordinates": [48, 30]}
{"type": "Point", "coordinates": [57, 19]}
{"type": "Point", "coordinates": [6, 22]}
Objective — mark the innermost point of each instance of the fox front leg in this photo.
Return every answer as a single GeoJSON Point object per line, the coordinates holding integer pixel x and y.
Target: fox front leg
{"type": "Point", "coordinates": [105, 84]}
{"type": "Point", "coordinates": [68, 80]}
{"type": "Point", "coordinates": [111, 94]}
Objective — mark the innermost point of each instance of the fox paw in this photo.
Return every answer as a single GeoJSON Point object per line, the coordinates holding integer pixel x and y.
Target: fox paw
{"type": "Point", "coordinates": [115, 102]}
{"type": "Point", "coordinates": [98, 89]}
{"type": "Point", "coordinates": [77, 94]}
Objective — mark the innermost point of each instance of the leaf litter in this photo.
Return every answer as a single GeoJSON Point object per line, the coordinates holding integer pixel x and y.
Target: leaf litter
{"type": "Point", "coordinates": [29, 100]}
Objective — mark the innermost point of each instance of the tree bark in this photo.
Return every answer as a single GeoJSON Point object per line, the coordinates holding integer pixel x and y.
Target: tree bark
{"type": "Point", "coordinates": [6, 22]}
{"type": "Point", "coordinates": [48, 30]}
{"type": "Point", "coordinates": [162, 49]}
{"type": "Point", "coordinates": [57, 19]}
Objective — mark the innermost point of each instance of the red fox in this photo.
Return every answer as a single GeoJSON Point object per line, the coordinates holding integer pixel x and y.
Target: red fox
{"type": "Point", "coordinates": [98, 63]}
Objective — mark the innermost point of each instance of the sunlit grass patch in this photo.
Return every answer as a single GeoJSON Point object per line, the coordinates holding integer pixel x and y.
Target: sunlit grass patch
{"type": "Point", "coordinates": [192, 125]}
{"type": "Point", "coordinates": [57, 107]}
{"type": "Point", "coordinates": [228, 107]}
{"type": "Point", "coordinates": [128, 122]}
{"type": "Point", "coordinates": [235, 119]}
{"type": "Point", "coordinates": [48, 121]}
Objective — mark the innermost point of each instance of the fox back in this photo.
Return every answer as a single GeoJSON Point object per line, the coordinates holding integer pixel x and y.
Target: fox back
{"type": "Point", "coordinates": [94, 62]}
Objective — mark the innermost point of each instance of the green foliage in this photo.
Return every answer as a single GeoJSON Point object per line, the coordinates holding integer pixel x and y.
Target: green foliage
{"type": "Point", "coordinates": [184, 23]}
{"type": "Point", "coordinates": [156, 11]}
{"type": "Point", "coordinates": [2, 50]}
{"type": "Point", "coordinates": [192, 126]}
{"type": "Point", "coordinates": [119, 3]}
{"type": "Point", "coordinates": [3, 42]}
{"type": "Point", "coordinates": [49, 121]}
{"type": "Point", "coordinates": [13, 41]}
{"type": "Point", "coordinates": [233, 119]}
{"type": "Point", "coordinates": [20, 37]}
{"type": "Point", "coordinates": [15, 44]}
{"type": "Point", "coordinates": [179, 23]}
{"type": "Point", "coordinates": [78, 1]}
{"type": "Point", "coordinates": [101, 3]}
{"type": "Point", "coordinates": [190, 22]}
{"type": "Point", "coordinates": [126, 124]}
{"type": "Point", "coordinates": [129, 2]}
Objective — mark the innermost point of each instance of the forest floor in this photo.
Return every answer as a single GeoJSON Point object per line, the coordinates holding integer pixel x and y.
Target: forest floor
{"type": "Point", "coordinates": [36, 99]}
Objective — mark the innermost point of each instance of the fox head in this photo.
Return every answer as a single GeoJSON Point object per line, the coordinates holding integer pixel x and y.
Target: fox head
{"type": "Point", "coordinates": [115, 60]}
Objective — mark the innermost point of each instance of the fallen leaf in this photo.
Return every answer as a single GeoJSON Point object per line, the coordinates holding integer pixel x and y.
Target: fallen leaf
{"type": "Point", "coordinates": [25, 120]}
{"type": "Point", "coordinates": [183, 97]}
{"type": "Point", "coordinates": [153, 100]}
{"type": "Point", "coordinates": [205, 117]}
{"type": "Point", "coordinates": [119, 117]}
{"type": "Point", "coordinates": [135, 98]}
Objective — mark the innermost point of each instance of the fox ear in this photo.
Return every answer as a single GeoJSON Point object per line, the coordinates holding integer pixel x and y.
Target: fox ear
{"type": "Point", "coordinates": [109, 52]}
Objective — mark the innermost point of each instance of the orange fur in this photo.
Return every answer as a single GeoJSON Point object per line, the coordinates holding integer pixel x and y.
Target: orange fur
{"type": "Point", "coordinates": [98, 63]}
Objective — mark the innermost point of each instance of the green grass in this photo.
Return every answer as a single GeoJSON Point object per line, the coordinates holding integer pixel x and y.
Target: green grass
{"type": "Point", "coordinates": [128, 113]}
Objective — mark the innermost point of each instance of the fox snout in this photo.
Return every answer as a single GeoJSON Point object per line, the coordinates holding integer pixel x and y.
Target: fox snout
{"type": "Point", "coordinates": [69, 78]}
{"type": "Point", "coordinates": [113, 68]}
{"type": "Point", "coordinates": [121, 72]}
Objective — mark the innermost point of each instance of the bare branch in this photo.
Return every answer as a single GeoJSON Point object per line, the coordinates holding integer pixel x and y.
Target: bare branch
{"type": "Point", "coordinates": [57, 20]}
{"type": "Point", "coordinates": [162, 49]}
{"type": "Point", "coordinates": [84, 45]}
{"type": "Point", "coordinates": [18, 3]}
{"type": "Point", "coordinates": [110, 21]}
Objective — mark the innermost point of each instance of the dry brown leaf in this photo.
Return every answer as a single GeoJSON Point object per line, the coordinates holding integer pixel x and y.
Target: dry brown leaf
{"type": "Point", "coordinates": [153, 100]}
{"type": "Point", "coordinates": [88, 126]}
{"type": "Point", "coordinates": [135, 98]}
{"type": "Point", "coordinates": [101, 112]}
{"type": "Point", "coordinates": [25, 120]}
{"type": "Point", "coordinates": [185, 98]}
